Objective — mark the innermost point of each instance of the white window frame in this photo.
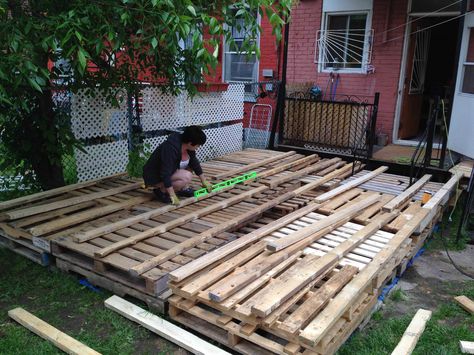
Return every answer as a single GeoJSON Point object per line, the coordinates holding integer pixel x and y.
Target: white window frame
{"type": "Point", "coordinates": [365, 54]}
{"type": "Point", "coordinates": [249, 97]}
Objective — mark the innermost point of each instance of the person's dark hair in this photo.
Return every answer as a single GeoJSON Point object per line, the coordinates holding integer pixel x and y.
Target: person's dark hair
{"type": "Point", "coordinates": [193, 135]}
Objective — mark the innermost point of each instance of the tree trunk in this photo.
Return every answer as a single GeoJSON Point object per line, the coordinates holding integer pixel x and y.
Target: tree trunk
{"type": "Point", "coordinates": [47, 162]}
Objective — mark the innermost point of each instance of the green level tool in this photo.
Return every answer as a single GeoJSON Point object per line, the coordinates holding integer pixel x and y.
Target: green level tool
{"type": "Point", "coordinates": [226, 183]}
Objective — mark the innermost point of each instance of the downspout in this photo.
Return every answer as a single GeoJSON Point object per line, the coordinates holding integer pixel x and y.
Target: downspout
{"type": "Point", "coordinates": [278, 120]}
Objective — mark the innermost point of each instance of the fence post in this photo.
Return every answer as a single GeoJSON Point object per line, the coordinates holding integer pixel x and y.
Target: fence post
{"type": "Point", "coordinates": [431, 128]}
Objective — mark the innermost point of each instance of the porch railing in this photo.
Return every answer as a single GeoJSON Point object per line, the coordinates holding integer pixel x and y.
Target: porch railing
{"type": "Point", "coordinates": [344, 126]}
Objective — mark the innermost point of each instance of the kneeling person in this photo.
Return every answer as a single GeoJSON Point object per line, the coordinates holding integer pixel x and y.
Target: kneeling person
{"type": "Point", "coordinates": [169, 167]}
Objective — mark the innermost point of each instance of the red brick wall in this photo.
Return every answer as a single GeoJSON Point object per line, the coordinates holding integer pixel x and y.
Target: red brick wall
{"type": "Point", "coordinates": [386, 55]}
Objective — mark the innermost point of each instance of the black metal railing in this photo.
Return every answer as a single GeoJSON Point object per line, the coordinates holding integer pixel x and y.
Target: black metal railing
{"type": "Point", "coordinates": [345, 125]}
{"type": "Point", "coordinates": [431, 148]}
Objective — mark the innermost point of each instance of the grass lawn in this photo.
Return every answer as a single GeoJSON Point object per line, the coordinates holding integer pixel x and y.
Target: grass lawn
{"type": "Point", "coordinates": [60, 300]}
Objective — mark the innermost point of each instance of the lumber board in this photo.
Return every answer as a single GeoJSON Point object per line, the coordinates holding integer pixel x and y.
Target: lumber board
{"type": "Point", "coordinates": [320, 325]}
{"type": "Point", "coordinates": [85, 216]}
{"type": "Point", "coordinates": [335, 218]}
{"type": "Point", "coordinates": [349, 185]}
{"type": "Point", "coordinates": [466, 303]}
{"type": "Point", "coordinates": [306, 160]}
{"type": "Point", "coordinates": [196, 265]}
{"type": "Point", "coordinates": [112, 227]}
{"type": "Point", "coordinates": [162, 327]}
{"type": "Point", "coordinates": [30, 211]}
{"type": "Point", "coordinates": [412, 333]}
{"type": "Point", "coordinates": [467, 347]}
{"type": "Point", "coordinates": [405, 195]}
{"type": "Point", "coordinates": [249, 167]}
{"type": "Point", "coordinates": [53, 192]}
{"type": "Point", "coordinates": [443, 193]}
{"type": "Point", "coordinates": [181, 220]}
{"type": "Point", "coordinates": [50, 333]}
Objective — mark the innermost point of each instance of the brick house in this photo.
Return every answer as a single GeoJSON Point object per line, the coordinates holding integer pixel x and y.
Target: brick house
{"type": "Point", "coordinates": [406, 50]}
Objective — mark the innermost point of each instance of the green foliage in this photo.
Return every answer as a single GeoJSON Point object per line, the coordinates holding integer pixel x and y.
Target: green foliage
{"type": "Point", "coordinates": [137, 159]}
{"type": "Point", "coordinates": [397, 295]}
{"type": "Point", "coordinates": [101, 46]}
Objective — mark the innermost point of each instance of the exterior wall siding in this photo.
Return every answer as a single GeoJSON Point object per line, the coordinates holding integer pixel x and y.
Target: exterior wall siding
{"type": "Point", "coordinates": [386, 56]}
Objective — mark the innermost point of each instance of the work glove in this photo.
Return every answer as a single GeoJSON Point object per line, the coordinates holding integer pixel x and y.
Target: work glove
{"type": "Point", "coordinates": [207, 185]}
{"type": "Point", "coordinates": [174, 200]}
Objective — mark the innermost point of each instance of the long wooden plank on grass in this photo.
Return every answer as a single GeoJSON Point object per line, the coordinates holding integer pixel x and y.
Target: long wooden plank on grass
{"type": "Point", "coordinates": [467, 347]}
{"type": "Point", "coordinates": [50, 333]}
{"type": "Point", "coordinates": [30, 211]}
{"type": "Point", "coordinates": [198, 264]}
{"type": "Point", "coordinates": [162, 327]}
{"type": "Point", "coordinates": [53, 192]}
{"type": "Point", "coordinates": [348, 212]}
{"type": "Point", "coordinates": [405, 195]}
{"type": "Point", "coordinates": [465, 303]}
{"type": "Point", "coordinates": [85, 216]}
{"type": "Point", "coordinates": [249, 167]}
{"type": "Point", "coordinates": [349, 185]}
{"type": "Point", "coordinates": [178, 221]}
{"type": "Point", "coordinates": [412, 333]}
{"type": "Point", "coordinates": [323, 322]}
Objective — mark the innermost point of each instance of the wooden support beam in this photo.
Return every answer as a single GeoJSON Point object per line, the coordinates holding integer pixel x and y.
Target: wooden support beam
{"type": "Point", "coordinates": [465, 303]}
{"type": "Point", "coordinates": [85, 216]}
{"type": "Point", "coordinates": [30, 211]}
{"type": "Point", "coordinates": [335, 218]}
{"type": "Point", "coordinates": [467, 347]}
{"type": "Point", "coordinates": [310, 169]}
{"type": "Point", "coordinates": [250, 167]}
{"type": "Point", "coordinates": [53, 192]}
{"type": "Point", "coordinates": [323, 322]}
{"type": "Point", "coordinates": [405, 195]}
{"type": "Point", "coordinates": [306, 160]}
{"type": "Point", "coordinates": [163, 328]}
{"type": "Point", "coordinates": [50, 333]}
{"type": "Point", "coordinates": [178, 221]}
{"type": "Point", "coordinates": [412, 333]}
{"type": "Point", "coordinates": [198, 264]}
{"type": "Point", "coordinates": [349, 185]}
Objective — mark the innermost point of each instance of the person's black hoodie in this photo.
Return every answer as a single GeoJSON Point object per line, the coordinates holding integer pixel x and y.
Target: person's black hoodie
{"type": "Point", "coordinates": [164, 162]}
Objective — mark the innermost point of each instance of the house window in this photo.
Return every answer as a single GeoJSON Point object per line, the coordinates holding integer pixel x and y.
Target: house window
{"type": "Point", "coordinates": [345, 42]}
{"type": "Point", "coordinates": [241, 66]}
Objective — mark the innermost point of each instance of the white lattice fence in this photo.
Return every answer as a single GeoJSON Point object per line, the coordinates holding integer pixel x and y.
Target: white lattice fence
{"type": "Point", "coordinates": [93, 118]}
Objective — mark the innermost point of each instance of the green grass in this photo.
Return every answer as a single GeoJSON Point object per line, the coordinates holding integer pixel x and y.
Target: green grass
{"type": "Point", "coordinates": [449, 324]}
{"type": "Point", "coordinates": [60, 300]}
{"type": "Point", "coordinates": [397, 295]}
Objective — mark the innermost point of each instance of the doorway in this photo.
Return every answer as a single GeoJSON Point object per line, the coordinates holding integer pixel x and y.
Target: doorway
{"type": "Point", "coordinates": [429, 73]}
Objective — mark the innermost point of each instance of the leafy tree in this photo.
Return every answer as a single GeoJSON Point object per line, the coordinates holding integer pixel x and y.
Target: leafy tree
{"type": "Point", "coordinates": [102, 44]}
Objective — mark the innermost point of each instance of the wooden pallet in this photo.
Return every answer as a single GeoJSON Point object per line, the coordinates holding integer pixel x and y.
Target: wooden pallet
{"type": "Point", "coordinates": [26, 248]}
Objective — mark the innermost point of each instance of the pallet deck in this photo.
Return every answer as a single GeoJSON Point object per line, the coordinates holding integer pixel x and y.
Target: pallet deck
{"type": "Point", "coordinates": [244, 241]}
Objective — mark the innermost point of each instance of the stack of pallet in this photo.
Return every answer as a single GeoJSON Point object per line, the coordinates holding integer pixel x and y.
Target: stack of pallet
{"type": "Point", "coordinates": [288, 263]}
{"type": "Point", "coordinates": [303, 283]}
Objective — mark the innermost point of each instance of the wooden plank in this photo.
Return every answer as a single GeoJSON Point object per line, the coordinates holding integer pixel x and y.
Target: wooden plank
{"type": "Point", "coordinates": [250, 167]}
{"type": "Point", "coordinates": [405, 195]}
{"type": "Point", "coordinates": [48, 332]}
{"type": "Point", "coordinates": [443, 193]}
{"type": "Point", "coordinates": [320, 325]}
{"type": "Point", "coordinates": [30, 211]}
{"type": "Point", "coordinates": [412, 333]}
{"type": "Point", "coordinates": [335, 218]}
{"type": "Point", "coordinates": [306, 160]}
{"type": "Point", "coordinates": [181, 220]}
{"type": "Point", "coordinates": [50, 193]}
{"type": "Point", "coordinates": [85, 216]}
{"type": "Point", "coordinates": [467, 347]}
{"type": "Point", "coordinates": [465, 303]}
{"type": "Point", "coordinates": [353, 183]}
{"type": "Point", "coordinates": [318, 299]}
{"type": "Point", "coordinates": [162, 327]}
